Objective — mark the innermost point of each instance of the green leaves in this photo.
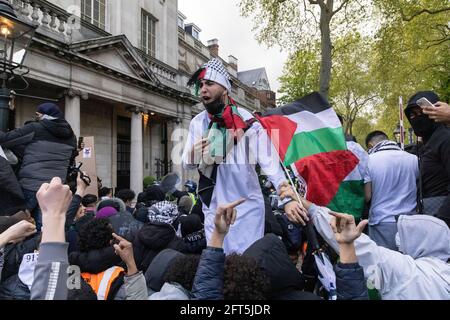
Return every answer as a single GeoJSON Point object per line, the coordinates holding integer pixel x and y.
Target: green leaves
{"type": "Point", "coordinates": [382, 49]}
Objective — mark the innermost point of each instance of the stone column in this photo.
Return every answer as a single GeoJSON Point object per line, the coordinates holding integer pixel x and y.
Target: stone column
{"type": "Point", "coordinates": [72, 109]}
{"type": "Point", "coordinates": [73, 113]}
{"type": "Point", "coordinates": [136, 156]}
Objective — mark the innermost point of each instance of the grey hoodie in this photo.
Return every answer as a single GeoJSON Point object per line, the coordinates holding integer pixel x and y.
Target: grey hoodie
{"type": "Point", "coordinates": [420, 273]}
{"type": "Point", "coordinates": [50, 274]}
{"type": "Point", "coordinates": [424, 236]}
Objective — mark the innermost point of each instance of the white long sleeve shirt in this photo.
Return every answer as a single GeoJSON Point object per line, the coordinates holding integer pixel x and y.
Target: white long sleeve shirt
{"type": "Point", "coordinates": [238, 179]}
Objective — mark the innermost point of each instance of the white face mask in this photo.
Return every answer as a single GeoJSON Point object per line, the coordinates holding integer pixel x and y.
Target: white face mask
{"type": "Point", "coordinates": [397, 240]}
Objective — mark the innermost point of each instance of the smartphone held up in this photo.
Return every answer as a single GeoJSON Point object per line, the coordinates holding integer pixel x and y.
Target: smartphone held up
{"type": "Point", "coordinates": [424, 102]}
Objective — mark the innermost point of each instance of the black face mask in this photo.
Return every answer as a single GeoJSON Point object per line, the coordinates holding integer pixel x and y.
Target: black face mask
{"type": "Point", "coordinates": [215, 107]}
{"type": "Point", "coordinates": [423, 126]}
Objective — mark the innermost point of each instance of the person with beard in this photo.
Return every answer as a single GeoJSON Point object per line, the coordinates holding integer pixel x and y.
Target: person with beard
{"type": "Point", "coordinates": [226, 159]}
{"type": "Point", "coordinates": [48, 147]}
{"type": "Point", "coordinates": [434, 182]}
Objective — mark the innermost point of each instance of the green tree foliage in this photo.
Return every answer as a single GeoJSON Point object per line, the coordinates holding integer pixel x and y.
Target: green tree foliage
{"type": "Point", "coordinates": [300, 76]}
{"type": "Point", "coordinates": [352, 88]}
{"type": "Point", "coordinates": [412, 53]}
{"type": "Point", "coordinates": [406, 50]}
{"type": "Point", "coordinates": [301, 24]}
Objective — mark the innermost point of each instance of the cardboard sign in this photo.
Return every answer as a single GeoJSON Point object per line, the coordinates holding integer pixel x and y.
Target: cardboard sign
{"type": "Point", "coordinates": [87, 158]}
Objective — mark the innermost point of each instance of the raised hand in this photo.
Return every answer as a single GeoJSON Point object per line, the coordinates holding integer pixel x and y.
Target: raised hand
{"type": "Point", "coordinates": [54, 199]}
{"type": "Point", "coordinates": [439, 113]}
{"type": "Point", "coordinates": [226, 216]}
{"type": "Point", "coordinates": [345, 229]}
{"type": "Point", "coordinates": [124, 249]}
{"type": "Point", "coordinates": [199, 149]}
{"type": "Point", "coordinates": [17, 232]}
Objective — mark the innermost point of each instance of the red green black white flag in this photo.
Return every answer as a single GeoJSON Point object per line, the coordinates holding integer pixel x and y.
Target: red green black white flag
{"type": "Point", "coordinates": [308, 136]}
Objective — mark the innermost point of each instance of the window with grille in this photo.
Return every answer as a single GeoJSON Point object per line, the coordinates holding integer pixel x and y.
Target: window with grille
{"type": "Point", "coordinates": [94, 11]}
{"type": "Point", "coordinates": [148, 33]}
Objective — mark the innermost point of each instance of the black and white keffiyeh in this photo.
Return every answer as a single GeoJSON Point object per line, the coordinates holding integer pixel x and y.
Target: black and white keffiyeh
{"type": "Point", "coordinates": [385, 146]}
{"type": "Point", "coordinates": [213, 70]}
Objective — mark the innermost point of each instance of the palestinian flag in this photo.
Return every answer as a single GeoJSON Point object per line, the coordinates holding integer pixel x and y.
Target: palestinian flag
{"type": "Point", "coordinates": [308, 136]}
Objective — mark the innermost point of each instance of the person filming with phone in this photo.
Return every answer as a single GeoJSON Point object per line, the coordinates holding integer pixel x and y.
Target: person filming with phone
{"type": "Point", "coordinates": [434, 179]}
{"type": "Point", "coordinates": [439, 111]}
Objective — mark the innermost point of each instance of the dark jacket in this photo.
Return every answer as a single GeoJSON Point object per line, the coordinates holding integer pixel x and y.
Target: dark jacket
{"type": "Point", "coordinates": [285, 280]}
{"type": "Point", "coordinates": [156, 272]}
{"type": "Point", "coordinates": [435, 168]}
{"type": "Point", "coordinates": [350, 282]}
{"type": "Point", "coordinates": [13, 255]}
{"type": "Point", "coordinates": [96, 261]}
{"type": "Point", "coordinates": [72, 211]}
{"type": "Point", "coordinates": [196, 242]}
{"type": "Point", "coordinates": [141, 212]}
{"type": "Point", "coordinates": [11, 196]}
{"type": "Point", "coordinates": [271, 224]}
{"type": "Point", "coordinates": [208, 281]}
{"type": "Point", "coordinates": [11, 287]}
{"type": "Point", "coordinates": [50, 146]}
{"type": "Point", "coordinates": [125, 225]}
{"type": "Point", "coordinates": [14, 289]}
{"type": "Point", "coordinates": [152, 239]}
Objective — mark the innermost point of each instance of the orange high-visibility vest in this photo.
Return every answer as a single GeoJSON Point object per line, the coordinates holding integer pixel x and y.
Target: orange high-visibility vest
{"type": "Point", "coordinates": [101, 282]}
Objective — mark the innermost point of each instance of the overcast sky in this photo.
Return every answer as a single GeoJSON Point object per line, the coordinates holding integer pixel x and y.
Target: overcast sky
{"type": "Point", "coordinates": [220, 19]}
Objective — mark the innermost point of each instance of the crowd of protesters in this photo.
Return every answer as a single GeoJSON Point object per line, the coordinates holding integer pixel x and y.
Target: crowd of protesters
{"type": "Point", "coordinates": [234, 243]}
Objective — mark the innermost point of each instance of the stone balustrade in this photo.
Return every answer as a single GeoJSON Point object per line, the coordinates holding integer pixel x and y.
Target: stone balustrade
{"type": "Point", "coordinates": [44, 15]}
{"type": "Point", "coordinates": [159, 68]}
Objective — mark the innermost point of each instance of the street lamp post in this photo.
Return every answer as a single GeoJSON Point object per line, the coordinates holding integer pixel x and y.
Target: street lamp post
{"type": "Point", "coordinates": [15, 37]}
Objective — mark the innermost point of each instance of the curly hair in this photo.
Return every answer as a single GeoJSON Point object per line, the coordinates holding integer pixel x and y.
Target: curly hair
{"type": "Point", "coordinates": [244, 279]}
{"type": "Point", "coordinates": [182, 271]}
{"type": "Point", "coordinates": [96, 234]}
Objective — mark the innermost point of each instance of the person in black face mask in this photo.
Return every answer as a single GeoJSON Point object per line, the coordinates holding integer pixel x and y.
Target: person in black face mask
{"type": "Point", "coordinates": [226, 134]}
{"type": "Point", "coordinates": [434, 185]}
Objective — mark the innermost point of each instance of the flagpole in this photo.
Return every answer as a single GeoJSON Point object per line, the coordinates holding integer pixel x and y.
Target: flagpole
{"type": "Point", "coordinates": [291, 182]}
{"type": "Point", "coordinates": [311, 233]}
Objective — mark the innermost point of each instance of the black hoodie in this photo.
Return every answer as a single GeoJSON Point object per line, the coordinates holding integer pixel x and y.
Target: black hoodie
{"type": "Point", "coordinates": [152, 239]}
{"type": "Point", "coordinates": [285, 280]}
{"type": "Point", "coordinates": [48, 147]}
{"type": "Point", "coordinates": [435, 168]}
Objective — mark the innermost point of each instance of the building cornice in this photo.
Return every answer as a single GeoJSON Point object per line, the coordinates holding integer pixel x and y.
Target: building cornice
{"type": "Point", "coordinates": [63, 51]}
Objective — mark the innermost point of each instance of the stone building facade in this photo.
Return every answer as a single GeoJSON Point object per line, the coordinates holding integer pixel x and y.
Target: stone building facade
{"type": "Point", "coordinates": [118, 69]}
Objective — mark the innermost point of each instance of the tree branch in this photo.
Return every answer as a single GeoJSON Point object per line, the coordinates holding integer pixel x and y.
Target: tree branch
{"type": "Point", "coordinates": [344, 3]}
{"type": "Point", "coordinates": [437, 42]}
{"type": "Point", "coordinates": [418, 13]}
{"type": "Point", "coordinates": [431, 66]}
{"type": "Point", "coordinates": [310, 11]}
